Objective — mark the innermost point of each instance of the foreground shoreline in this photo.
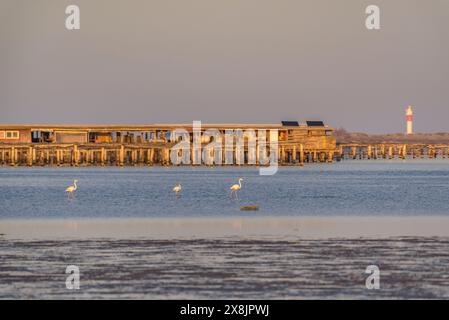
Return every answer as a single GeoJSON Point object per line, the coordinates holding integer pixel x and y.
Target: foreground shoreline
{"type": "Point", "coordinates": [225, 258]}
{"type": "Point", "coordinates": [307, 227]}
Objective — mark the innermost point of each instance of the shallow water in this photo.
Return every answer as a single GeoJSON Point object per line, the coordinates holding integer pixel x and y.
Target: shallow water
{"type": "Point", "coordinates": [415, 187]}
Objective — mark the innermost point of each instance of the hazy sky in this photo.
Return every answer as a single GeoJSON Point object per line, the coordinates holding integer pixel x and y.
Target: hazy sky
{"type": "Point", "coordinates": [154, 61]}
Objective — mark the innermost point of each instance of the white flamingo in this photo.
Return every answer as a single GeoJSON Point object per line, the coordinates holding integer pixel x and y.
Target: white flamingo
{"type": "Point", "coordinates": [70, 190]}
{"type": "Point", "coordinates": [177, 189]}
{"type": "Point", "coordinates": [236, 187]}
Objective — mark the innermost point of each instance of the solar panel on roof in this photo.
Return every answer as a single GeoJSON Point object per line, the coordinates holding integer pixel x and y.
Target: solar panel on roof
{"type": "Point", "coordinates": [315, 123]}
{"type": "Point", "coordinates": [290, 123]}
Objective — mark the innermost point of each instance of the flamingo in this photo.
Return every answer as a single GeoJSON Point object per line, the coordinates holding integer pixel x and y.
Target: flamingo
{"type": "Point", "coordinates": [236, 187]}
{"type": "Point", "coordinates": [177, 189]}
{"type": "Point", "coordinates": [70, 190]}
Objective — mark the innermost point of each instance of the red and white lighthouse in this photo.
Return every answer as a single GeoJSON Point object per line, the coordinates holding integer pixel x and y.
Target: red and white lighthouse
{"type": "Point", "coordinates": [409, 114]}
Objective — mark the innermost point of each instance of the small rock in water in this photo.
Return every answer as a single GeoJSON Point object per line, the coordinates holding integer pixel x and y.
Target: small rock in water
{"type": "Point", "coordinates": [249, 208]}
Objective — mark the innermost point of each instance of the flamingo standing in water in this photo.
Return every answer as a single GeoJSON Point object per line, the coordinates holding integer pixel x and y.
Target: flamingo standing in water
{"type": "Point", "coordinates": [71, 190]}
{"type": "Point", "coordinates": [236, 187]}
{"type": "Point", "coordinates": [177, 189]}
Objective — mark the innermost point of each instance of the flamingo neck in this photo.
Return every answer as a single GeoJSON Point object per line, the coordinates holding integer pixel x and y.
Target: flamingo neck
{"type": "Point", "coordinates": [74, 183]}
{"type": "Point", "coordinates": [240, 183]}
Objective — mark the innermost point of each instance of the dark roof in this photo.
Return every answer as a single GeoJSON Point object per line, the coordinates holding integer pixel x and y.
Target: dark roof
{"type": "Point", "coordinates": [290, 123]}
{"type": "Point", "coordinates": [315, 123]}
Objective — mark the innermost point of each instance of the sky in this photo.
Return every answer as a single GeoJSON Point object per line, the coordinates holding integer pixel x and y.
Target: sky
{"type": "Point", "coordinates": [238, 61]}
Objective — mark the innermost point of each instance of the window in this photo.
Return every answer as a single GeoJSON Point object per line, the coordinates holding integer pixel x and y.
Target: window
{"type": "Point", "coordinates": [12, 135]}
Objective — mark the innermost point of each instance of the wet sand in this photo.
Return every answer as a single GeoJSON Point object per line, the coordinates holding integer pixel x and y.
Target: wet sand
{"type": "Point", "coordinates": [178, 228]}
{"type": "Point", "coordinates": [225, 258]}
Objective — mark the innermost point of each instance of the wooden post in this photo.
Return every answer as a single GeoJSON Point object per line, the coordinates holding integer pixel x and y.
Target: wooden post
{"type": "Point", "coordinates": [122, 155]}
{"type": "Point", "coordinates": [141, 155]}
{"type": "Point", "coordinates": [39, 157]}
{"type": "Point", "coordinates": [33, 155]}
{"type": "Point", "coordinates": [133, 157]}
{"type": "Point", "coordinates": [163, 156]}
{"type": "Point", "coordinates": [280, 155]}
{"type": "Point", "coordinates": [103, 156]}
{"type": "Point", "coordinates": [167, 156]}
{"type": "Point", "coordinates": [18, 154]}
{"type": "Point", "coordinates": [223, 155]}
{"type": "Point", "coordinates": [30, 156]}
{"type": "Point", "coordinates": [257, 154]}
{"type": "Point", "coordinates": [13, 156]}
{"type": "Point", "coordinates": [353, 152]}
{"type": "Point", "coordinates": [294, 154]}
{"type": "Point", "coordinates": [322, 156]}
{"type": "Point", "coordinates": [76, 156]}
{"type": "Point", "coordinates": [150, 153]}
{"type": "Point", "coordinates": [196, 155]}
{"type": "Point", "coordinates": [57, 157]}
{"type": "Point", "coordinates": [285, 155]}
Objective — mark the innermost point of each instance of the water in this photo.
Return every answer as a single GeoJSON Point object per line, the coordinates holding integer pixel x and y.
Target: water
{"type": "Point", "coordinates": [243, 266]}
{"type": "Point", "coordinates": [376, 188]}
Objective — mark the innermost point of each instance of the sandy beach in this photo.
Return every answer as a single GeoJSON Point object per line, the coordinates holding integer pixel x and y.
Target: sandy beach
{"type": "Point", "coordinates": [178, 228]}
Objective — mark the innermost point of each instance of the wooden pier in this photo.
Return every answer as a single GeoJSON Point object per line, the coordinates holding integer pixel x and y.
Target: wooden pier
{"type": "Point", "coordinates": [83, 155]}
{"type": "Point", "coordinates": [391, 151]}
{"type": "Point", "coordinates": [131, 155]}
{"type": "Point", "coordinates": [149, 154]}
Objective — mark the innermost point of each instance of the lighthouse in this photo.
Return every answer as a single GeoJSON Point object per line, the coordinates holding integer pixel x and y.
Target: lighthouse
{"type": "Point", "coordinates": [409, 114]}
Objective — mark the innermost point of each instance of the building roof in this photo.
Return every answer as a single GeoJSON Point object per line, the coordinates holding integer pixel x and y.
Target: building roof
{"type": "Point", "coordinates": [138, 127]}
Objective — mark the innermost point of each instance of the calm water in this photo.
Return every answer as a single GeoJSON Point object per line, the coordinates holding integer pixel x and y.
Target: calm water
{"type": "Point", "coordinates": [237, 267]}
{"type": "Point", "coordinates": [347, 188]}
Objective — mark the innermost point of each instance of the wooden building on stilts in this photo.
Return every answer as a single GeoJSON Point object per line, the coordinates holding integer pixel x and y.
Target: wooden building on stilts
{"type": "Point", "coordinates": [132, 145]}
